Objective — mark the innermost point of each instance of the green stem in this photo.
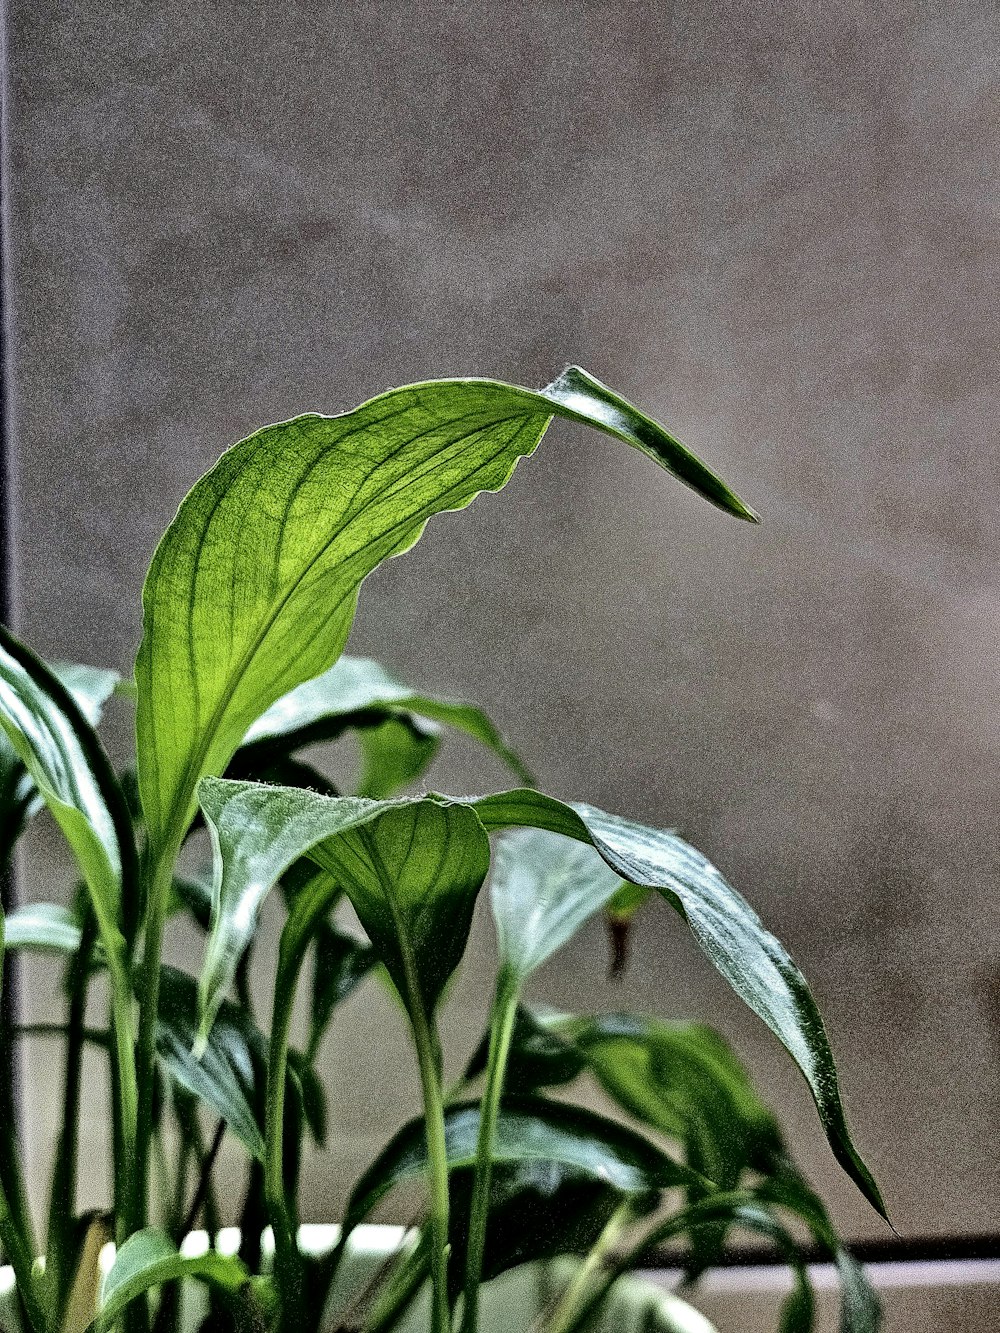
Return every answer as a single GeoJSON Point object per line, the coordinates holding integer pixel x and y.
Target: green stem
{"type": "Point", "coordinates": [592, 1265]}
{"type": "Point", "coordinates": [123, 1037]}
{"type": "Point", "coordinates": [508, 990]}
{"type": "Point", "coordinates": [20, 1255]}
{"type": "Point", "coordinates": [401, 1291]}
{"type": "Point", "coordinates": [287, 1260]}
{"type": "Point", "coordinates": [59, 1257]}
{"type": "Point", "coordinates": [158, 881]}
{"type": "Point", "coordinates": [428, 1058]}
{"type": "Point", "coordinates": [698, 1214]}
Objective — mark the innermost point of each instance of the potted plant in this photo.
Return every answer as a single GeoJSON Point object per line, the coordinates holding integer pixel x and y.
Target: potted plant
{"type": "Point", "coordinates": [247, 607]}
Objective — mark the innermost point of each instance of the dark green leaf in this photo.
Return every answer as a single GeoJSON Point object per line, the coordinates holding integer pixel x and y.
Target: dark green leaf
{"type": "Point", "coordinates": [542, 889]}
{"type": "Point", "coordinates": [64, 758]}
{"type": "Point", "coordinates": [394, 754]}
{"type": "Point", "coordinates": [537, 1210]}
{"type": "Point", "coordinates": [538, 1058]}
{"type": "Point", "coordinates": [411, 868]}
{"type": "Point", "coordinates": [252, 589]}
{"type": "Point", "coordinates": [339, 964]}
{"type": "Point", "coordinates": [149, 1259]}
{"type": "Point", "coordinates": [730, 933]}
{"type": "Point", "coordinates": [223, 1076]}
{"type": "Point", "coordinates": [569, 1138]}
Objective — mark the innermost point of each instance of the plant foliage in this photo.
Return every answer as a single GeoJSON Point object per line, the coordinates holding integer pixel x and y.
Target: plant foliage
{"type": "Point", "coordinates": [247, 607]}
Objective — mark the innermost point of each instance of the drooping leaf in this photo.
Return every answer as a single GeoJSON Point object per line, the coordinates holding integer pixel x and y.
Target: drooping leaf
{"type": "Point", "coordinates": [539, 1057]}
{"type": "Point", "coordinates": [529, 1130]}
{"type": "Point", "coordinates": [542, 889]}
{"type": "Point", "coordinates": [44, 928]}
{"type": "Point", "coordinates": [252, 589]}
{"type": "Point", "coordinates": [223, 1076]}
{"type": "Point", "coordinates": [411, 868]}
{"type": "Point", "coordinates": [90, 688]}
{"type": "Point", "coordinates": [149, 1259]}
{"type": "Point", "coordinates": [72, 775]}
{"type": "Point", "coordinates": [727, 929]}
{"type": "Point", "coordinates": [785, 1187]}
{"type": "Point", "coordinates": [357, 692]}
{"type": "Point", "coordinates": [340, 963]}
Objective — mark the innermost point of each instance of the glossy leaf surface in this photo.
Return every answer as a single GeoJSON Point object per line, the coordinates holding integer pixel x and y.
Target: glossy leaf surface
{"type": "Point", "coordinates": [222, 1076]}
{"type": "Point", "coordinates": [252, 589]}
{"type": "Point", "coordinates": [728, 930]}
{"type": "Point", "coordinates": [542, 889]}
{"type": "Point", "coordinates": [528, 1130]}
{"type": "Point", "coordinates": [149, 1258]}
{"type": "Point", "coordinates": [412, 869]}
{"type": "Point", "coordinates": [61, 753]}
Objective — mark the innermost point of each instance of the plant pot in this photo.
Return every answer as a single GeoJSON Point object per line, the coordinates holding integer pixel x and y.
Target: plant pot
{"type": "Point", "coordinates": [509, 1304]}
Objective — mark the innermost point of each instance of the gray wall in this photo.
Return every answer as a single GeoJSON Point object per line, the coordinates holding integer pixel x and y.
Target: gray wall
{"type": "Point", "coordinates": [774, 226]}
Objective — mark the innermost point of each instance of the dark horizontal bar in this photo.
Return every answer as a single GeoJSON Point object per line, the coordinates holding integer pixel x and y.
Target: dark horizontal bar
{"type": "Point", "coordinates": [897, 1249]}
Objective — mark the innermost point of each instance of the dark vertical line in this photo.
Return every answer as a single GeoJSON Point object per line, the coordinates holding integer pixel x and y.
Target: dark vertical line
{"type": "Point", "coordinates": [9, 996]}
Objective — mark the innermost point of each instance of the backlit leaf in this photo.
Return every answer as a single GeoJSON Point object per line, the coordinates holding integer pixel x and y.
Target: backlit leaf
{"type": "Point", "coordinates": [252, 589]}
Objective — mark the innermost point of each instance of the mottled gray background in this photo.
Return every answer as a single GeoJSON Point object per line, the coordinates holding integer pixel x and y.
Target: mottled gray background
{"type": "Point", "coordinates": [774, 226]}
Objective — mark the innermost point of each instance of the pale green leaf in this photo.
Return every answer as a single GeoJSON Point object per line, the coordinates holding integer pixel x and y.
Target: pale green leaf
{"type": "Point", "coordinates": [542, 889]}
{"type": "Point", "coordinates": [252, 589]}
{"type": "Point", "coordinates": [359, 692]}
{"type": "Point", "coordinates": [149, 1258]}
{"type": "Point", "coordinates": [44, 928]}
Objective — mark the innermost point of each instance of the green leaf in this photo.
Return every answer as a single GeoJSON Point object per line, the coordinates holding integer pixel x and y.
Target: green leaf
{"type": "Point", "coordinates": [411, 868]}
{"type": "Point", "coordinates": [340, 963]}
{"type": "Point", "coordinates": [149, 1258]}
{"type": "Point", "coordinates": [44, 928]}
{"type": "Point", "coordinates": [785, 1187]}
{"type": "Point", "coordinates": [357, 692]}
{"type": "Point", "coordinates": [394, 754]}
{"type": "Point", "coordinates": [539, 1058]}
{"type": "Point", "coordinates": [223, 1076]}
{"type": "Point", "coordinates": [681, 1079]}
{"type": "Point", "coordinates": [542, 889]}
{"type": "Point", "coordinates": [252, 589]}
{"type": "Point", "coordinates": [64, 758]}
{"type": "Point", "coordinates": [570, 1138]}
{"type": "Point", "coordinates": [727, 929]}
{"type": "Point", "coordinates": [90, 688]}
{"type": "Point", "coordinates": [538, 1210]}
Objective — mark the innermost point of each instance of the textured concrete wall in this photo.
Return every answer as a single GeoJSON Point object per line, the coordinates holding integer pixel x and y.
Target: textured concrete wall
{"type": "Point", "coordinates": [774, 226]}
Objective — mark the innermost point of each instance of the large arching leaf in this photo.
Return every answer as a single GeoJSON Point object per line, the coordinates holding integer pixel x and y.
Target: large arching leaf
{"type": "Point", "coordinates": [728, 930]}
{"type": "Point", "coordinates": [356, 691]}
{"type": "Point", "coordinates": [572, 1140]}
{"type": "Point", "coordinates": [411, 868]}
{"type": "Point", "coordinates": [252, 589]}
